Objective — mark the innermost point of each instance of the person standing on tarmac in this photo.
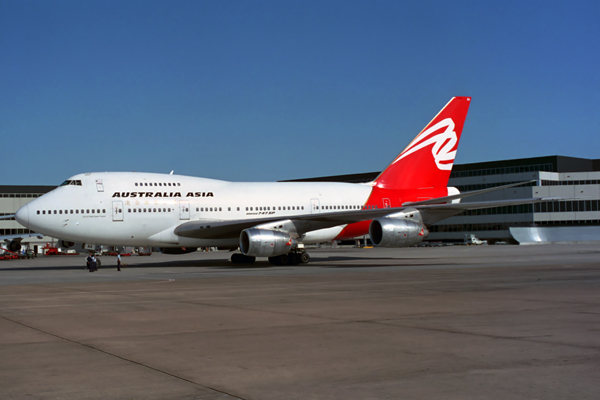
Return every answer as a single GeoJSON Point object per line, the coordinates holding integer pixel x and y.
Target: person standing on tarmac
{"type": "Point", "coordinates": [89, 260]}
{"type": "Point", "coordinates": [118, 261]}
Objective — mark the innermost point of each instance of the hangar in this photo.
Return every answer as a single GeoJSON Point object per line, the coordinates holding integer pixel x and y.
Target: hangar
{"type": "Point", "coordinates": [576, 217]}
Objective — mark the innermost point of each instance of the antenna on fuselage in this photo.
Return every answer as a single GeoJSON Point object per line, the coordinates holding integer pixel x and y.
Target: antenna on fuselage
{"type": "Point", "coordinates": [171, 173]}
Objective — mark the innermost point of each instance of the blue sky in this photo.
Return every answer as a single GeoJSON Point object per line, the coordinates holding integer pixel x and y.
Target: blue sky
{"type": "Point", "coordinates": [272, 90]}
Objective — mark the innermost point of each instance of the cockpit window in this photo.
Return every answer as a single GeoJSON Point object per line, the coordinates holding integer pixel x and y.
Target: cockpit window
{"type": "Point", "coordinates": [73, 182]}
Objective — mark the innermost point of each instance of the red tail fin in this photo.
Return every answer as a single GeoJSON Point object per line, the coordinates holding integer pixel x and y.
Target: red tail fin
{"type": "Point", "coordinates": [427, 161]}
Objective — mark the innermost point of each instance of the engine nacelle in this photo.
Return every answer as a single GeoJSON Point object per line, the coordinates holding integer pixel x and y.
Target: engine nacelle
{"type": "Point", "coordinates": [14, 245]}
{"type": "Point", "coordinates": [397, 232]}
{"type": "Point", "coordinates": [265, 243]}
{"type": "Point", "coordinates": [177, 250]}
{"type": "Point", "coordinates": [66, 244]}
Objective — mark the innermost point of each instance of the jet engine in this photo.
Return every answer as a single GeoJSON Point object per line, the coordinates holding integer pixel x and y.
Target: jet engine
{"type": "Point", "coordinates": [396, 232]}
{"type": "Point", "coordinates": [177, 250]}
{"type": "Point", "coordinates": [66, 244]}
{"type": "Point", "coordinates": [14, 245]}
{"type": "Point", "coordinates": [265, 243]}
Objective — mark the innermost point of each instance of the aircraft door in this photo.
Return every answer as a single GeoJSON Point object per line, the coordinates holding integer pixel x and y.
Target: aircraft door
{"type": "Point", "coordinates": [315, 206]}
{"type": "Point", "coordinates": [386, 203]}
{"type": "Point", "coordinates": [184, 210]}
{"type": "Point", "coordinates": [117, 210]}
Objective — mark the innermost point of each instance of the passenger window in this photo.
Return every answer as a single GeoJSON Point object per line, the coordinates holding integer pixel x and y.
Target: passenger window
{"type": "Point", "coordinates": [54, 211]}
{"type": "Point", "coordinates": [76, 211]}
{"type": "Point", "coordinates": [145, 184]}
{"type": "Point", "coordinates": [178, 184]}
{"type": "Point", "coordinates": [87, 211]}
{"type": "Point", "coordinates": [60, 211]}
{"type": "Point", "coordinates": [134, 210]}
{"type": "Point", "coordinates": [129, 210]}
{"type": "Point", "coordinates": [159, 184]}
{"type": "Point", "coordinates": [43, 212]}
{"type": "Point", "coordinates": [238, 209]}
{"type": "Point", "coordinates": [154, 210]}
{"type": "Point", "coordinates": [136, 184]}
{"type": "Point", "coordinates": [169, 183]}
{"type": "Point", "coordinates": [38, 212]}
{"type": "Point", "coordinates": [220, 209]}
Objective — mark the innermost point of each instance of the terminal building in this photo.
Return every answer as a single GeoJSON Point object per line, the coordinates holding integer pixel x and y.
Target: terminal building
{"type": "Point", "coordinates": [574, 216]}
{"type": "Point", "coordinates": [11, 199]}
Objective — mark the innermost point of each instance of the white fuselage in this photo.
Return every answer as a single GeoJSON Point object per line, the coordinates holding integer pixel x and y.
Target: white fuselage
{"type": "Point", "coordinates": [143, 209]}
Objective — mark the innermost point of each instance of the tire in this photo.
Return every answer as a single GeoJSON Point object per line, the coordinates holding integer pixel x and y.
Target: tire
{"type": "Point", "coordinates": [279, 260]}
{"type": "Point", "coordinates": [242, 259]}
{"type": "Point", "coordinates": [304, 258]}
{"type": "Point", "coordinates": [294, 259]}
{"type": "Point", "coordinates": [274, 260]}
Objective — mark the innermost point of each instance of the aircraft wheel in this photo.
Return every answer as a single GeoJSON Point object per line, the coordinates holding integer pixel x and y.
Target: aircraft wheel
{"type": "Point", "coordinates": [294, 259]}
{"type": "Point", "coordinates": [279, 260]}
{"type": "Point", "coordinates": [304, 258]}
{"type": "Point", "coordinates": [242, 259]}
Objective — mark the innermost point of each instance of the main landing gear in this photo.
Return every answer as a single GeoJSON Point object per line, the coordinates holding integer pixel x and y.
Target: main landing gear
{"type": "Point", "coordinates": [242, 259]}
{"type": "Point", "coordinates": [292, 258]}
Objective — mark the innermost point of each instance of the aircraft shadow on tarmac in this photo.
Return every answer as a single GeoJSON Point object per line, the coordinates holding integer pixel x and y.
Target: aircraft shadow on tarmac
{"type": "Point", "coordinates": [316, 262]}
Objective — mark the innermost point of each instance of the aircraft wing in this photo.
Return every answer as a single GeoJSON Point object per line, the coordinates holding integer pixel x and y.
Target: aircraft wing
{"type": "Point", "coordinates": [432, 211]}
{"type": "Point", "coordinates": [8, 238]}
{"type": "Point", "coordinates": [214, 229]}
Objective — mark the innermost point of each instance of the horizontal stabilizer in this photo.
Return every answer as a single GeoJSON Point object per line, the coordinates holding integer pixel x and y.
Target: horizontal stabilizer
{"type": "Point", "coordinates": [464, 195]}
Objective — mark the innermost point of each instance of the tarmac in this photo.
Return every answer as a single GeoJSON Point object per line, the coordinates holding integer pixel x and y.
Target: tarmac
{"type": "Point", "coordinates": [460, 322]}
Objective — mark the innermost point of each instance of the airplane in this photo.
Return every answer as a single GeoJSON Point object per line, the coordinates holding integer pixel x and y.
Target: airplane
{"type": "Point", "coordinates": [180, 213]}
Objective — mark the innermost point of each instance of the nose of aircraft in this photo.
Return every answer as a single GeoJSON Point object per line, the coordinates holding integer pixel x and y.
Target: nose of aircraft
{"type": "Point", "coordinates": [22, 215]}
